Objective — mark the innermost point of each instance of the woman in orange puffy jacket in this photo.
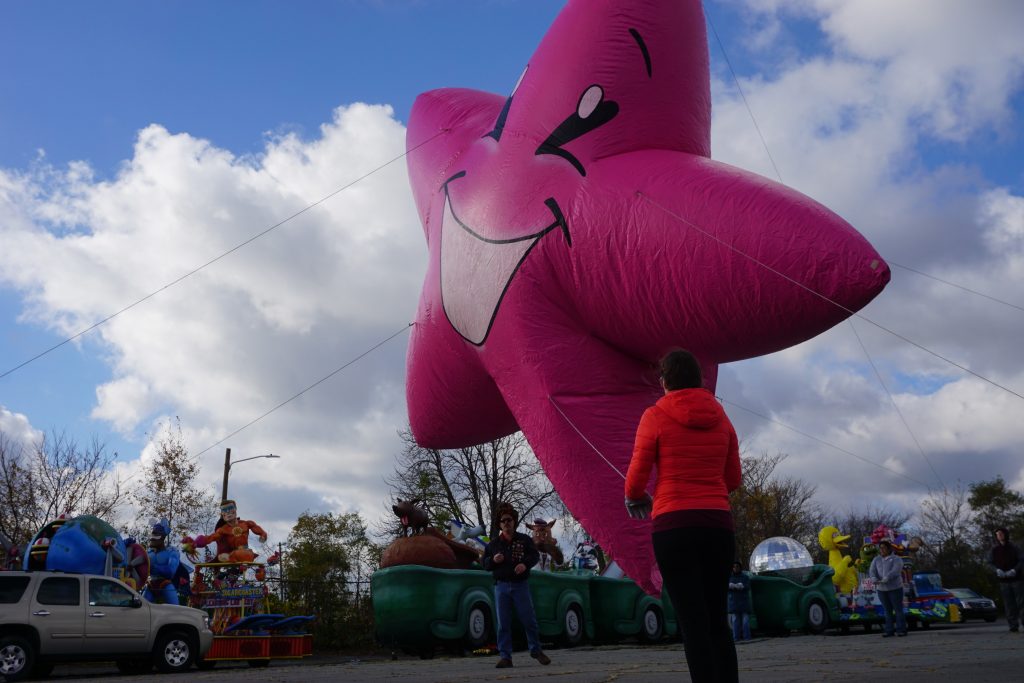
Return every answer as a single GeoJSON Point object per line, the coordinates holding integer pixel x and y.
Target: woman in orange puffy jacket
{"type": "Point", "coordinates": [689, 437]}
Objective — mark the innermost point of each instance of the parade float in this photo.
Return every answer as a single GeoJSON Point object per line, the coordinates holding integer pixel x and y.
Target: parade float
{"type": "Point", "coordinates": [231, 586]}
{"type": "Point", "coordinates": [788, 590]}
{"type": "Point", "coordinates": [925, 601]}
{"type": "Point", "coordinates": [419, 606]}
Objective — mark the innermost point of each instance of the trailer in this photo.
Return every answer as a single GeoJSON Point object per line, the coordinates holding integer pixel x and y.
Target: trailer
{"type": "Point", "coordinates": [418, 609]}
{"type": "Point", "coordinates": [234, 596]}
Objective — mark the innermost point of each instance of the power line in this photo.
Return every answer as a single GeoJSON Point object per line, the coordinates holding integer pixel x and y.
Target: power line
{"type": "Point", "coordinates": [894, 405]}
{"type": "Point", "coordinates": [778, 173]}
{"type": "Point", "coordinates": [753, 412]}
{"type": "Point", "coordinates": [582, 436]}
{"type": "Point", "coordinates": [823, 297]}
{"type": "Point", "coordinates": [314, 384]}
{"type": "Point", "coordinates": [743, 96]}
{"type": "Point", "coordinates": [822, 441]}
{"type": "Point", "coordinates": [764, 143]}
{"type": "Point", "coordinates": [953, 284]}
{"type": "Point", "coordinates": [218, 258]}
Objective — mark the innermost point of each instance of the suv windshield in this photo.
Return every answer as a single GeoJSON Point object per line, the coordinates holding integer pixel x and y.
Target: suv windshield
{"type": "Point", "coordinates": [12, 588]}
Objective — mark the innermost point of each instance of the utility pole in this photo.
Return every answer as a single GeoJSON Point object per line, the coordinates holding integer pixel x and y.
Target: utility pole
{"type": "Point", "coordinates": [227, 468]}
{"type": "Point", "coordinates": [280, 573]}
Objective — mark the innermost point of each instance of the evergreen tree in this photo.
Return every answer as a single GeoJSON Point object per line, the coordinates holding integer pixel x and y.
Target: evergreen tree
{"type": "Point", "coordinates": [326, 569]}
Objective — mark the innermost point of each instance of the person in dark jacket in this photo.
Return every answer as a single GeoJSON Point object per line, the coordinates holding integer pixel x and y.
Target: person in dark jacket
{"type": "Point", "coordinates": [739, 603]}
{"type": "Point", "coordinates": [509, 557]}
{"type": "Point", "coordinates": [1009, 565]}
{"type": "Point", "coordinates": [688, 437]}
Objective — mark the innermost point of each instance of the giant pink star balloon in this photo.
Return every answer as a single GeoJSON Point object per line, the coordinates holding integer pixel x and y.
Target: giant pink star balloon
{"type": "Point", "coordinates": [578, 229]}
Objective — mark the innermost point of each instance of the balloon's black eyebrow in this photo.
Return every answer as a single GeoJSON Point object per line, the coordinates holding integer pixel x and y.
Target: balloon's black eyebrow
{"type": "Point", "coordinates": [643, 48]}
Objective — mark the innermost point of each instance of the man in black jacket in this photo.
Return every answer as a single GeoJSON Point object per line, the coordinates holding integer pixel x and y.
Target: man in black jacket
{"type": "Point", "coordinates": [509, 557]}
{"type": "Point", "coordinates": [1009, 564]}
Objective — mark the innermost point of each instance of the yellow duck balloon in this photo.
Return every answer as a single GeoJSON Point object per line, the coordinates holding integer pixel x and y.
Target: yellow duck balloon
{"type": "Point", "coordinates": [845, 578]}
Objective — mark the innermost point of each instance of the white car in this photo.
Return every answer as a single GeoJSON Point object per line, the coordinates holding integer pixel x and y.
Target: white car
{"type": "Point", "coordinates": [47, 617]}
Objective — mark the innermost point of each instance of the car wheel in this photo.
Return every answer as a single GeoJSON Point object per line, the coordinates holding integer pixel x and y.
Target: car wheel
{"type": "Point", "coordinates": [817, 617]}
{"type": "Point", "coordinates": [173, 652]}
{"type": "Point", "coordinates": [478, 626]}
{"type": "Point", "coordinates": [572, 626]}
{"type": "Point", "coordinates": [134, 666]}
{"type": "Point", "coordinates": [16, 658]}
{"type": "Point", "coordinates": [652, 628]}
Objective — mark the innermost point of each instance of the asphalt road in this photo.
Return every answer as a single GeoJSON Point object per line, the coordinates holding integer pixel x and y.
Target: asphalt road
{"type": "Point", "coordinates": [975, 651]}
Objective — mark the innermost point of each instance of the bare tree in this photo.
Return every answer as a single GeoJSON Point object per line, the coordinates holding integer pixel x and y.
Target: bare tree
{"type": "Point", "coordinates": [946, 526]}
{"type": "Point", "coordinates": [767, 505]}
{"type": "Point", "coordinates": [469, 483]}
{"type": "Point", "coordinates": [51, 477]}
{"type": "Point", "coordinates": [860, 522]}
{"type": "Point", "coordinates": [167, 489]}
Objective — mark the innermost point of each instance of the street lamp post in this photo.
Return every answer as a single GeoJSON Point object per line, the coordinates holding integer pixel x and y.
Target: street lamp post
{"type": "Point", "coordinates": [227, 468]}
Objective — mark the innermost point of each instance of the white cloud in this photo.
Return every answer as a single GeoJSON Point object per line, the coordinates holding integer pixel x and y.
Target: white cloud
{"type": "Point", "coordinates": [231, 342]}
{"type": "Point", "coordinates": [846, 125]}
{"type": "Point", "coordinates": [17, 430]}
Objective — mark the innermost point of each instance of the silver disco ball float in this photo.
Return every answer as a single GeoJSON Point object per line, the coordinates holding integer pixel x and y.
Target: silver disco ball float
{"type": "Point", "coordinates": [782, 556]}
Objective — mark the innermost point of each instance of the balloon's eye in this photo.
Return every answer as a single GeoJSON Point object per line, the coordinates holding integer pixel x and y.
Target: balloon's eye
{"type": "Point", "coordinates": [592, 111]}
{"type": "Point", "coordinates": [589, 101]}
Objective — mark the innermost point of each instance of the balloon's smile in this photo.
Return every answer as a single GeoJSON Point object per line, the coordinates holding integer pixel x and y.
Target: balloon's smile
{"type": "Point", "coordinates": [477, 270]}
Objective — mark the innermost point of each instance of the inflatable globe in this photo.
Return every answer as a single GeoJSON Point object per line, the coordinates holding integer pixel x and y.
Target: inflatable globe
{"type": "Point", "coordinates": [76, 545]}
{"type": "Point", "coordinates": [782, 556]}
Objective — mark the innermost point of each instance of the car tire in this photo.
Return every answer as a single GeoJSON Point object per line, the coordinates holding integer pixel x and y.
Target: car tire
{"type": "Point", "coordinates": [16, 658]}
{"type": "Point", "coordinates": [652, 626]}
{"type": "Point", "coordinates": [817, 617]}
{"type": "Point", "coordinates": [478, 626]}
{"type": "Point", "coordinates": [572, 626]}
{"type": "Point", "coordinates": [174, 652]}
{"type": "Point", "coordinates": [134, 667]}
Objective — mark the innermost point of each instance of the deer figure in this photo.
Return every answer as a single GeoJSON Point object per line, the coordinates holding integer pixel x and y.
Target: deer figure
{"type": "Point", "coordinates": [550, 553]}
{"type": "Point", "coordinates": [411, 515]}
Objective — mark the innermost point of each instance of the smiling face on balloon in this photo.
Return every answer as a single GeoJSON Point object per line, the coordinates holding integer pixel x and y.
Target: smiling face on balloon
{"type": "Point", "coordinates": [578, 229]}
{"type": "Point", "coordinates": [549, 130]}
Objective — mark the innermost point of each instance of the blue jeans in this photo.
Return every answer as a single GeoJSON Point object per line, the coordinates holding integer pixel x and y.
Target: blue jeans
{"type": "Point", "coordinates": [740, 626]}
{"type": "Point", "coordinates": [892, 604]}
{"type": "Point", "coordinates": [1013, 601]}
{"type": "Point", "coordinates": [509, 595]}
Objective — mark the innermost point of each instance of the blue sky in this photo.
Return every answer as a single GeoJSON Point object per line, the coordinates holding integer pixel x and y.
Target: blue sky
{"type": "Point", "coordinates": [138, 140]}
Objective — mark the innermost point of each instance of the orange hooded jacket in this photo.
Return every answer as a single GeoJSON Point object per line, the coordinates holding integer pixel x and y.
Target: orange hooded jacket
{"type": "Point", "coordinates": [690, 438]}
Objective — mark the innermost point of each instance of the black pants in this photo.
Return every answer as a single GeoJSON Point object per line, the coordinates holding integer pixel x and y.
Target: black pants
{"type": "Point", "coordinates": [695, 563]}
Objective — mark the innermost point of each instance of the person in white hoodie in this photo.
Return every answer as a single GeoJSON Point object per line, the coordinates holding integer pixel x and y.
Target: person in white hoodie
{"type": "Point", "coordinates": [887, 573]}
